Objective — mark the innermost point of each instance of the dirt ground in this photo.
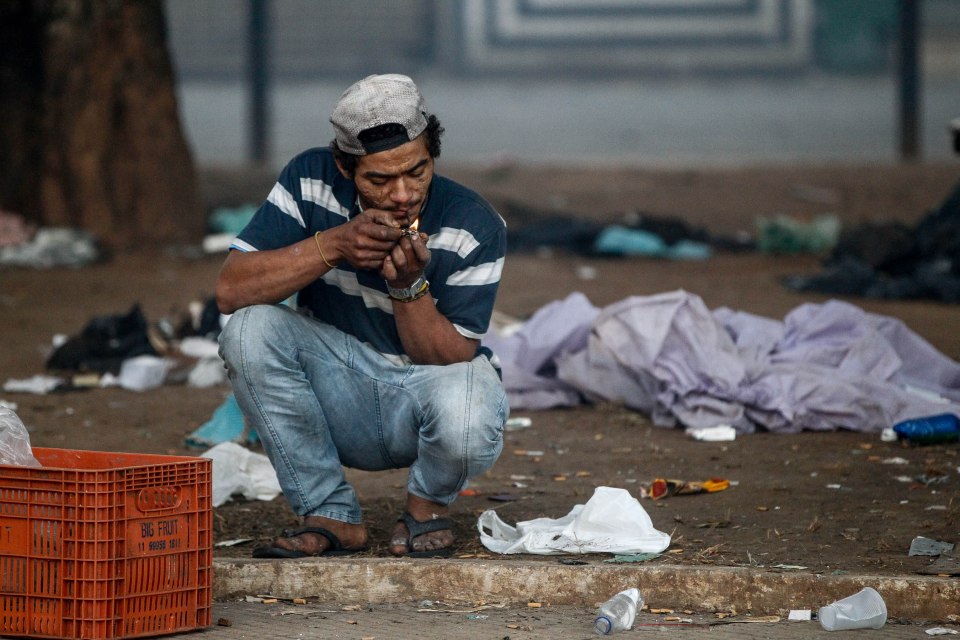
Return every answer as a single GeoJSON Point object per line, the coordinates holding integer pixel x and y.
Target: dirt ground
{"type": "Point", "coordinates": [780, 510]}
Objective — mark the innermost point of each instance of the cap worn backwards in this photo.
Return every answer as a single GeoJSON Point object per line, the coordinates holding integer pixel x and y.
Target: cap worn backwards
{"type": "Point", "coordinates": [375, 101]}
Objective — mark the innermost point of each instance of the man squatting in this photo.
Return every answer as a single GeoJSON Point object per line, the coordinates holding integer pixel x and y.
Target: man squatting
{"type": "Point", "coordinates": [379, 365]}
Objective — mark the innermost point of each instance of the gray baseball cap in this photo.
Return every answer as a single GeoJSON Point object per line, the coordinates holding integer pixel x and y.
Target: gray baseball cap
{"type": "Point", "coordinates": [390, 99]}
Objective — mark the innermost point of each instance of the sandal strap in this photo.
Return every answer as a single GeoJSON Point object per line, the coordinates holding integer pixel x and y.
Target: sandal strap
{"type": "Point", "coordinates": [417, 528]}
{"type": "Point", "coordinates": [335, 544]}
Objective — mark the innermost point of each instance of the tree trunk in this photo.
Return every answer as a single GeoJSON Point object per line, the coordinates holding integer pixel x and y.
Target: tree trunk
{"type": "Point", "coordinates": [90, 129]}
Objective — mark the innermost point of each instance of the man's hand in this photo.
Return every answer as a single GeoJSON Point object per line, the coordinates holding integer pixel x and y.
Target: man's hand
{"type": "Point", "coordinates": [406, 261]}
{"type": "Point", "coordinates": [367, 240]}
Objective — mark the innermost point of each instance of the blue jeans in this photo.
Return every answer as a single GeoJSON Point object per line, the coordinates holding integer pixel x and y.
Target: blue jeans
{"type": "Point", "coordinates": [320, 400]}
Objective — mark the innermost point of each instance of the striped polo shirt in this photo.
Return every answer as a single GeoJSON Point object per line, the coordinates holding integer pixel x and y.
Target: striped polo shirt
{"type": "Point", "coordinates": [467, 242]}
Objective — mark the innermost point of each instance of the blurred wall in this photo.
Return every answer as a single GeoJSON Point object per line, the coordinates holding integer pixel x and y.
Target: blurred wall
{"type": "Point", "coordinates": [316, 38]}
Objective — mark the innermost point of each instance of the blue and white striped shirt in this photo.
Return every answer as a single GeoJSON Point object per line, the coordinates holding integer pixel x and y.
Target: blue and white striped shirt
{"type": "Point", "coordinates": [467, 241]}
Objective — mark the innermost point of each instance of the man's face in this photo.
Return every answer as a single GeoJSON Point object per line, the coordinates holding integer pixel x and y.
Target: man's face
{"type": "Point", "coordinates": [396, 180]}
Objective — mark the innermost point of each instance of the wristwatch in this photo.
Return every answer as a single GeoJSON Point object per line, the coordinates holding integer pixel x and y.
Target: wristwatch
{"type": "Point", "coordinates": [417, 289]}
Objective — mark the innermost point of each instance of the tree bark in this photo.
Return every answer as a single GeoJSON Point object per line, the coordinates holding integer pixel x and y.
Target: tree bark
{"type": "Point", "coordinates": [90, 125]}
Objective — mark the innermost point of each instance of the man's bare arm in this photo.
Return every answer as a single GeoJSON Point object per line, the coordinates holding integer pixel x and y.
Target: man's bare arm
{"type": "Point", "coordinates": [269, 277]}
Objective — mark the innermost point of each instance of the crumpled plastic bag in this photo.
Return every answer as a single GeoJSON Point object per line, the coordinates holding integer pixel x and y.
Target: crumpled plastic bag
{"type": "Point", "coordinates": [239, 470]}
{"type": "Point", "coordinates": [612, 521]}
{"type": "Point", "coordinates": [15, 440]}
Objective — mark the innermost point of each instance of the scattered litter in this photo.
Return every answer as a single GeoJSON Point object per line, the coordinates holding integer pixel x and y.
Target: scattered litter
{"type": "Point", "coordinates": [945, 565]}
{"type": "Point", "coordinates": [232, 543]}
{"type": "Point", "coordinates": [721, 433]}
{"type": "Point", "coordinates": [863, 610]}
{"type": "Point", "coordinates": [799, 614]}
{"type": "Point", "coordinates": [237, 470]}
{"type": "Point", "coordinates": [888, 435]}
{"type": "Point", "coordinates": [218, 242]}
{"type": "Point", "coordinates": [663, 488]}
{"type": "Point", "coordinates": [196, 347]}
{"type": "Point", "coordinates": [427, 606]}
{"type": "Point", "coordinates": [231, 219]}
{"type": "Point", "coordinates": [783, 234]}
{"type": "Point", "coordinates": [612, 521]}
{"type": "Point", "coordinates": [515, 424]}
{"type": "Point", "coordinates": [636, 557]}
{"type": "Point", "coordinates": [834, 486]}
{"type": "Point", "coordinates": [144, 372]}
{"type": "Point", "coordinates": [932, 478]}
{"type": "Point", "coordinates": [477, 616]}
{"type": "Point", "coordinates": [104, 343]}
{"type": "Point", "coordinates": [529, 454]}
{"type": "Point", "coordinates": [903, 479]}
{"type": "Point", "coordinates": [617, 240]}
{"type": "Point", "coordinates": [470, 493]}
{"type": "Point", "coordinates": [896, 461]}
{"type": "Point", "coordinates": [15, 441]}
{"type": "Point", "coordinates": [208, 372]}
{"type": "Point", "coordinates": [789, 567]}
{"type": "Point", "coordinates": [38, 384]}
{"type": "Point", "coordinates": [586, 272]}
{"type": "Point", "coordinates": [503, 497]}
{"type": "Point", "coordinates": [747, 619]}
{"type": "Point", "coordinates": [53, 247]}
{"type": "Point", "coordinates": [226, 425]}
{"type": "Point", "coordinates": [572, 561]}
{"type": "Point", "coordinates": [941, 631]}
{"type": "Point", "coordinates": [944, 427]}
{"type": "Point", "coordinates": [921, 546]}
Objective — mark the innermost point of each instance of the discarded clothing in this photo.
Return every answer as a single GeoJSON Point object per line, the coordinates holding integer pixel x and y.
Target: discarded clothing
{"type": "Point", "coordinates": [894, 261]}
{"type": "Point", "coordinates": [636, 234]}
{"type": "Point", "coordinates": [825, 367]}
{"type": "Point", "coordinates": [104, 344]}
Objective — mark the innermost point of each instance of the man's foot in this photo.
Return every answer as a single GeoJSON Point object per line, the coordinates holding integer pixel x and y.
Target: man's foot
{"type": "Point", "coordinates": [318, 536]}
{"type": "Point", "coordinates": [432, 530]}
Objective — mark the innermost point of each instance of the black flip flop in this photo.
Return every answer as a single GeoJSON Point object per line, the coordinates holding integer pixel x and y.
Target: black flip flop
{"type": "Point", "coordinates": [336, 547]}
{"type": "Point", "coordinates": [416, 529]}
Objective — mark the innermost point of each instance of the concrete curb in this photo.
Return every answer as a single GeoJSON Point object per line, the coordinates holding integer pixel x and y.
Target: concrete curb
{"type": "Point", "coordinates": [384, 580]}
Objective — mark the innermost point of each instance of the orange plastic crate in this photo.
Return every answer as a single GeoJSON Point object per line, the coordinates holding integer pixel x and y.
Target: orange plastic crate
{"type": "Point", "coordinates": [105, 545]}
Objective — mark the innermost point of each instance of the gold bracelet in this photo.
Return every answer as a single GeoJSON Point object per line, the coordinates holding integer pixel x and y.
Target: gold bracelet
{"type": "Point", "coordinates": [316, 237]}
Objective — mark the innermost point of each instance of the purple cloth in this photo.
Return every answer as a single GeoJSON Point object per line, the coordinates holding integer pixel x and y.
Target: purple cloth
{"type": "Point", "coordinates": [826, 366]}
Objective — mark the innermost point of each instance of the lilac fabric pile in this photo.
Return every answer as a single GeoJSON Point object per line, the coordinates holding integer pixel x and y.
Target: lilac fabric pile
{"type": "Point", "coordinates": [824, 367]}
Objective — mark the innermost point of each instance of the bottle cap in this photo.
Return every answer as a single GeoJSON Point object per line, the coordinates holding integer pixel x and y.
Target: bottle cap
{"type": "Point", "coordinates": [602, 625]}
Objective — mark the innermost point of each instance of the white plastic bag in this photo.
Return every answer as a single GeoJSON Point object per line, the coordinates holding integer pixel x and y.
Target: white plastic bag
{"type": "Point", "coordinates": [238, 470]}
{"type": "Point", "coordinates": [612, 521]}
{"type": "Point", "coordinates": [15, 441]}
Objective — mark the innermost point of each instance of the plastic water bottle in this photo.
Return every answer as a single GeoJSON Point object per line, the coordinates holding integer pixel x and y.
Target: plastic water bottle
{"type": "Point", "coordinates": [944, 427]}
{"type": "Point", "coordinates": [617, 613]}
